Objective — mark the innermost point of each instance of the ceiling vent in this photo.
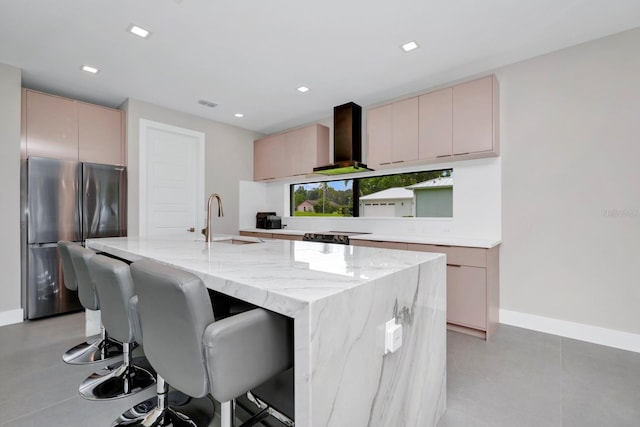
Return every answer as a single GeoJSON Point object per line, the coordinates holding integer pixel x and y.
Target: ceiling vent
{"type": "Point", "coordinates": [207, 103]}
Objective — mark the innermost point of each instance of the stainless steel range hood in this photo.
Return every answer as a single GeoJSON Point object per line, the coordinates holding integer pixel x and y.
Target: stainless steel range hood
{"type": "Point", "coordinates": [347, 141]}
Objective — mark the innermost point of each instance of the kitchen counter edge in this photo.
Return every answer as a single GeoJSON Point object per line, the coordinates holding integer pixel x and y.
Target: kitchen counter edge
{"type": "Point", "coordinates": [425, 240]}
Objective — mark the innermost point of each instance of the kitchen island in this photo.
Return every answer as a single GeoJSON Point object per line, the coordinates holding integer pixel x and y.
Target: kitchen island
{"type": "Point", "coordinates": [340, 298]}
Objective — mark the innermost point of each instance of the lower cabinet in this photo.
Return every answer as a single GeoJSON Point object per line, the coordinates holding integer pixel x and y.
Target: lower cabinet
{"type": "Point", "coordinates": [287, 237]}
{"type": "Point", "coordinates": [472, 284]}
{"type": "Point", "coordinates": [259, 235]}
{"type": "Point", "coordinates": [379, 244]}
{"type": "Point", "coordinates": [473, 287]}
{"type": "Point", "coordinates": [467, 296]}
{"type": "Point", "coordinates": [264, 235]}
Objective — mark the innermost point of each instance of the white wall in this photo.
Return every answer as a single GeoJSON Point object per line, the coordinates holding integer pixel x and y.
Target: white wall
{"type": "Point", "coordinates": [228, 159]}
{"type": "Point", "coordinates": [571, 184]}
{"type": "Point", "coordinates": [10, 85]}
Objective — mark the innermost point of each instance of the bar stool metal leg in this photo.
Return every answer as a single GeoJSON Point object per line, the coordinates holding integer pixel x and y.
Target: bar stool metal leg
{"type": "Point", "coordinates": [117, 380]}
{"type": "Point", "coordinates": [265, 411]}
{"type": "Point", "coordinates": [228, 414]}
{"type": "Point", "coordinates": [168, 409]}
{"type": "Point", "coordinates": [93, 351]}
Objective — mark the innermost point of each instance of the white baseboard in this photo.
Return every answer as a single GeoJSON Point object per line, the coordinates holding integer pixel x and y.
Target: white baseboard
{"type": "Point", "coordinates": [10, 317]}
{"type": "Point", "coordinates": [578, 331]}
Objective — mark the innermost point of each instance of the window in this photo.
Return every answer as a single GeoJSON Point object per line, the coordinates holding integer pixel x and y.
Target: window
{"type": "Point", "coordinates": [416, 194]}
{"type": "Point", "coordinates": [329, 198]}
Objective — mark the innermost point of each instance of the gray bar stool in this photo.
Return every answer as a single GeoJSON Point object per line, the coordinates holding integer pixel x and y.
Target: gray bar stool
{"type": "Point", "coordinates": [197, 355]}
{"type": "Point", "coordinates": [114, 289]}
{"type": "Point", "coordinates": [94, 350]}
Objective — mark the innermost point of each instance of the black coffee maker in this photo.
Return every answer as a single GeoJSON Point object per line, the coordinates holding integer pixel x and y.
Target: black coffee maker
{"type": "Point", "coordinates": [268, 220]}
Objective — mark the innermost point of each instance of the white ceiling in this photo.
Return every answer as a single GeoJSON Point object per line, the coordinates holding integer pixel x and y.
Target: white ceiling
{"type": "Point", "coordinates": [249, 56]}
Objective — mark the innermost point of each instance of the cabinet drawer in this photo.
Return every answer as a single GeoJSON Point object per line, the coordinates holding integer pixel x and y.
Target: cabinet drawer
{"type": "Point", "coordinates": [286, 237]}
{"type": "Point", "coordinates": [256, 234]}
{"type": "Point", "coordinates": [467, 296]}
{"type": "Point", "coordinates": [456, 255]}
{"type": "Point", "coordinates": [378, 244]}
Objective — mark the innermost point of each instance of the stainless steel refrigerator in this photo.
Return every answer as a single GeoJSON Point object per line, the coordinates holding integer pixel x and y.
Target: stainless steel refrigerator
{"type": "Point", "coordinates": [64, 200]}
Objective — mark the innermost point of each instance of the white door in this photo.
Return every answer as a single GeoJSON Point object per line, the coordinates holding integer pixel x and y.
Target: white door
{"type": "Point", "coordinates": [171, 180]}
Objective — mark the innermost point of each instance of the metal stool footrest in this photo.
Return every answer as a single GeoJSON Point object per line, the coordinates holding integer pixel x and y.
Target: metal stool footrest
{"type": "Point", "coordinates": [266, 410]}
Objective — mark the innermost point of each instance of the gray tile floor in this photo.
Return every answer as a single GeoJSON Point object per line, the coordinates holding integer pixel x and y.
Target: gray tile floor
{"type": "Point", "coordinates": [519, 378]}
{"type": "Point", "coordinates": [526, 378]}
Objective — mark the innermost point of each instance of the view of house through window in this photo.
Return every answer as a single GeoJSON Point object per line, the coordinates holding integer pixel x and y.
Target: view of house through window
{"type": "Point", "coordinates": [329, 198]}
{"type": "Point", "coordinates": [416, 194]}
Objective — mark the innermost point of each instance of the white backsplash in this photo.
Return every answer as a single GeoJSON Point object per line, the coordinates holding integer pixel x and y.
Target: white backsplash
{"type": "Point", "coordinates": [477, 205]}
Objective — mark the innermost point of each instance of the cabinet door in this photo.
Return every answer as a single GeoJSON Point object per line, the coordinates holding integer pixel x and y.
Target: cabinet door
{"type": "Point", "coordinates": [378, 244]}
{"type": "Point", "coordinates": [307, 148]}
{"type": "Point", "coordinates": [405, 131]}
{"type": "Point", "coordinates": [52, 126]}
{"type": "Point", "coordinates": [269, 159]}
{"type": "Point", "coordinates": [287, 237]}
{"type": "Point", "coordinates": [299, 142]}
{"type": "Point", "coordinates": [436, 116]}
{"type": "Point", "coordinates": [473, 116]}
{"type": "Point", "coordinates": [467, 296]}
{"type": "Point", "coordinates": [100, 134]}
{"type": "Point", "coordinates": [256, 234]}
{"type": "Point", "coordinates": [379, 135]}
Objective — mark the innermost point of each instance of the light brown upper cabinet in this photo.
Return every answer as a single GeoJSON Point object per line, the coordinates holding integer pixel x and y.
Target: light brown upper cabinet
{"type": "Point", "coordinates": [405, 131]}
{"type": "Point", "coordinates": [379, 135]}
{"type": "Point", "coordinates": [100, 135]}
{"type": "Point", "coordinates": [459, 121]}
{"type": "Point", "coordinates": [269, 160]}
{"type": "Point", "coordinates": [307, 148]}
{"type": "Point", "coordinates": [436, 116]}
{"type": "Point", "coordinates": [50, 126]}
{"type": "Point", "coordinates": [295, 152]}
{"type": "Point", "coordinates": [393, 133]}
{"type": "Point", "coordinates": [475, 116]}
{"type": "Point", "coordinates": [62, 128]}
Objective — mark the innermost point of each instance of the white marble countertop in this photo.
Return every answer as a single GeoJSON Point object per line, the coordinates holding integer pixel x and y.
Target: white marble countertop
{"type": "Point", "coordinates": [276, 231]}
{"type": "Point", "coordinates": [279, 275]}
{"type": "Point", "coordinates": [471, 242]}
{"type": "Point", "coordinates": [340, 298]}
{"type": "Point", "coordinates": [426, 240]}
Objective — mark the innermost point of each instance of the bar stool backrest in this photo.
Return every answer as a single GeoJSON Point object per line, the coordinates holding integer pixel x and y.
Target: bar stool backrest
{"type": "Point", "coordinates": [175, 310]}
{"type": "Point", "coordinates": [86, 292]}
{"type": "Point", "coordinates": [114, 287]}
{"type": "Point", "coordinates": [68, 271]}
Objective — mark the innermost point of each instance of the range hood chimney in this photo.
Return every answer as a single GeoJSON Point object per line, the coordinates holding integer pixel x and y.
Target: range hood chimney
{"type": "Point", "coordinates": [347, 141]}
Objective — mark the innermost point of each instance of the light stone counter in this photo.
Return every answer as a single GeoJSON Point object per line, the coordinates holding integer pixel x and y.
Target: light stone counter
{"type": "Point", "coordinates": [340, 298]}
{"type": "Point", "coordinates": [427, 240]}
{"type": "Point", "coordinates": [471, 242]}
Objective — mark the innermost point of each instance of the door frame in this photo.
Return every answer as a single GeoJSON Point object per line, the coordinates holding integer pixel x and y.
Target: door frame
{"type": "Point", "coordinates": [145, 126]}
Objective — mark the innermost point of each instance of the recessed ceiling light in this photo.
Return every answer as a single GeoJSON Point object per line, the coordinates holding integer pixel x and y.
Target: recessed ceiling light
{"type": "Point", "coordinates": [407, 47]}
{"type": "Point", "coordinates": [238, 115]}
{"type": "Point", "coordinates": [207, 103]}
{"type": "Point", "coordinates": [138, 31]}
{"type": "Point", "coordinates": [90, 69]}
{"type": "Point", "coordinates": [303, 89]}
